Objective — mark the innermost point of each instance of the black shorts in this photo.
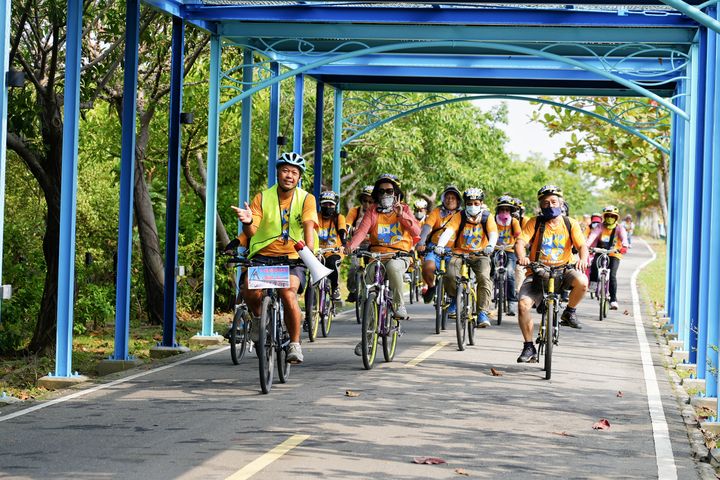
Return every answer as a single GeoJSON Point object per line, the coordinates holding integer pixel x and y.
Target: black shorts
{"type": "Point", "coordinates": [298, 270]}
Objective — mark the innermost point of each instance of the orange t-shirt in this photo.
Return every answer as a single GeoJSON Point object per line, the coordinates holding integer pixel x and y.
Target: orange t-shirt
{"type": "Point", "coordinates": [508, 233]}
{"type": "Point", "coordinates": [282, 245]}
{"type": "Point", "coordinates": [389, 235]}
{"type": "Point", "coordinates": [438, 224]}
{"type": "Point", "coordinates": [329, 235]}
{"type": "Point", "coordinates": [556, 243]}
{"type": "Point", "coordinates": [472, 237]}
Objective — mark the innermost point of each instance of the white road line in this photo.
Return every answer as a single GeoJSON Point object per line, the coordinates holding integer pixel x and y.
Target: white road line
{"type": "Point", "coordinates": [661, 434]}
{"type": "Point", "coordinates": [82, 393]}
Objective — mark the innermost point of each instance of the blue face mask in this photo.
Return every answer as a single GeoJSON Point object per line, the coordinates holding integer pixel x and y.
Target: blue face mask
{"type": "Point", "coordinates": [549, 213]}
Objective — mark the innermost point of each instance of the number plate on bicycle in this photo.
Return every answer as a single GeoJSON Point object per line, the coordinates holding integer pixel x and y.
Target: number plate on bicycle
{"type": "Point", "coordinates": [276, 276]}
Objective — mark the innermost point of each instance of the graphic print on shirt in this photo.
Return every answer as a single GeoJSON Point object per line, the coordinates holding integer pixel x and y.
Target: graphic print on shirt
{"type": "Point", "coordinates": [504, 235]}
{"type": "Point", "coordinates": [285, 223]}
{"type": "Point", "coordinates": [327, 235]}
{"type": "Point", "coordinates": [472, 236]}
{"type": "Point", "coordinates": [553, 246]}
{"type": "Point", "coordinates": [389, 233]}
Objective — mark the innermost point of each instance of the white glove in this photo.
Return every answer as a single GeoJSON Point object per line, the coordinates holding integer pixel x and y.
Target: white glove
{"type": "Point", "coordinates": [439, 250]}
{"type": "Point", "coordinates": [488, 250]}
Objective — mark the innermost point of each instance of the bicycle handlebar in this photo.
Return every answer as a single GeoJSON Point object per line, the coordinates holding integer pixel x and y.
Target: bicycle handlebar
{"type": "Point", "coordinates": [603, 250]}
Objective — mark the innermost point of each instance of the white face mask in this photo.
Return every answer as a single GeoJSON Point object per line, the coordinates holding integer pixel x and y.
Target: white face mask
{"type": "Point", "coordinates": [387, 201]}
{"type": "Point", "coordinates": [473, 210]}
{"type": "Point", "coordinates": [419, 215]}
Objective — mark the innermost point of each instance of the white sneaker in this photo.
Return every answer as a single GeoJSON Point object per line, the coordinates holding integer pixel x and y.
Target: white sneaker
{"type": "Point", "coordinates": [401, 312]}
{"type": "Point", "coordinates": [294, 354]}
{"type": "Point", "coordinates": [592, 287]}
{"type": "Point", "coordinates": [613, 305]}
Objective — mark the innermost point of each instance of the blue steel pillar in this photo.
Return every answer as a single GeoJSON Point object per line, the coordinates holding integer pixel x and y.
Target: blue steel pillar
{"type": "Point", "coordinates": [245, 134]}
{"type": "Point", "coordinates": [298, 115]}
{"type": "Point", "coordinates": [337, 143]}
{"type": "Point", "coordinates": [704, 325]}
{"type": "Point", "coordinates": [319, 127]}
{"type": "Point", "coordinates": [211, 188]}
{"type": "Point", "coordinates": [5, 12]}
{"type": "Point", "coordinates": [172, 213]}
{"type": "Point", "coordinates": [678, 215]}
{"type": "Point", "coordinates": [274, 125]}
{"type": "Point", "coordinates": [669, 228]}
{"type": "Point", "coordinates": [713, 313]}
{"type": "Point", "coordinates": [68, 192]}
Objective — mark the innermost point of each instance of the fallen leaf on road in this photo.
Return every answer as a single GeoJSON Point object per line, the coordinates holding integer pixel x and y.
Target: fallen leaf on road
{"type": "Point", "coordinates": [428, 460]}
{"type": "Point", "coordinates": [626, 312]}
{"type": "Point", "coordinates": [462, 472]}
{"type": "Point", "coordinates": [619, 394]}
{"type": "Point", "coordinates": [496, 373]}
{"type": "Point", "coordinates": [563, 434]}
{"type": "Point", "coordinates": [601, 424]}
{"type": "Point", "coordinates": [350, 393]}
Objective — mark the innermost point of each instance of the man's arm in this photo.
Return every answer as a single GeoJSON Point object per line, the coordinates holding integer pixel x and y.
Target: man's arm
{"type": "Point", "coordinates": [520, 252]}
{"type": "Point", "coordinates": [309, 233]}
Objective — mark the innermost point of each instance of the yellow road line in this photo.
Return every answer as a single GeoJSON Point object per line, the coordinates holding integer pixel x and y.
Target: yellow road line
{"type": "Point", "coordinates": [263, 461]}
{"type": "Point", "coordinates": [426, 354]}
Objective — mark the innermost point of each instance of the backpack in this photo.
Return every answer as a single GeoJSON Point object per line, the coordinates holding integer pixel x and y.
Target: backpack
{"type": "Point", "coordinates": [540, 227]}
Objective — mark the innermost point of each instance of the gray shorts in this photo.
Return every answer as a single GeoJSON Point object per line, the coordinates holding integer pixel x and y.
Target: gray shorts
{"type": "Point", "coordinates": [534, 286]}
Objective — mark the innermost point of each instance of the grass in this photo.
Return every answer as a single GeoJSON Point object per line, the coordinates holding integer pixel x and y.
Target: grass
{"type": "Point", "coordinates": [652, 278]}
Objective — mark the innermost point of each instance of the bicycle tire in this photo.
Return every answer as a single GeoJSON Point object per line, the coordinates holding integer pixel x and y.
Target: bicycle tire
{"type": "Point", "coordinates": [265, 350]}
{"type": "Point", "coordinates": [359, 297]}
{"type": "Point", "coordinates": [326, 317]}
{"type": "Point", "coordinates": [472, 318]}
{"type": "Point", "coordinates": [311, 313]}
{"type": "Point", "coordinates": [369, 331]}
{"type": "Point", "coordinates": [411, 294]}
{"type": "Point", "coordinates": [602, 298]}
{"type": "Point", "coordinates": [239, 335]}
{"type": "Point", "coordinates": [389, 339]}
{"type": "Point", "coordinates": [283, 366]}
{"type": "Point", "coordinates": [461, 316]}
{"type": "Point", "coordinates": [500, 299]}
{"type": "Point", "coordinates": [548, 315]}
{"type": "Point", "coordinates": [439, 300]}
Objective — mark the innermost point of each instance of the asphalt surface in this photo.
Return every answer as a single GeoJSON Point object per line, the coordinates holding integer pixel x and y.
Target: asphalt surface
{"type": "Point", "coordinates": [206, 418]}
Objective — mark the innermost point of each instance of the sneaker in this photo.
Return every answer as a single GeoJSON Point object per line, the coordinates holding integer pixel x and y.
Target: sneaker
{"type": "Point", "coordinates": [336, 295]}
{"type": "Point", "coordinates": [512, 309]}
{"type": "Point", "coordinates": [613, 305]}
{"type": "Point", "coordinates": [482, 319]}
{"type": "Point", "coordinates": [401, 312]}
{"type": "Point", "coordinates": [351, 298]}
{"type": "Point", "coordinates": [429, 294]}
{"type": "Point", "coordinates": [407, 278]}
{"type": "Point", "coordinates": [294, 354]}
{"type": "Point", "coordinates": [528, 355]}
{"type": "Point", "coordinates": [254, 329]}
{"type": "Point", "coordinates": [358, 349]}
{"type": "Point", "coordinates": [452, 308]}
{"type": "Point", "coordinates": [592, 287]}
{"type": "Point", "coordinates": [569, 319]}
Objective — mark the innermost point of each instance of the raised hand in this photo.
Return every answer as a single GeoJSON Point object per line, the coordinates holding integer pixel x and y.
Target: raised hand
{"type": "Point", "coordinates": [243, 214]}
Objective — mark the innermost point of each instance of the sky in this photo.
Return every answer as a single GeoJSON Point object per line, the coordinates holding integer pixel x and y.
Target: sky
{"type": "Point", "coordinates": [526, 136]}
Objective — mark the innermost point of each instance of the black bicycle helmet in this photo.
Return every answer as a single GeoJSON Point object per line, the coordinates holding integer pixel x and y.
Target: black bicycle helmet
{"type": "Point", "coordinates": [387, 178]}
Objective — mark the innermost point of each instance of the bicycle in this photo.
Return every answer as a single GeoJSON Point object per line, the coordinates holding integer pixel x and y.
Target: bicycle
{"type": "Point", "coordinates": [360, 286]}
{"type": "Point", "coordinates": [602, 293]}
{"type": "Point", "coordinates": [466, 303]}
{"type": "Point", "coordinates": [319, 306]}
{"type": "Point", "coordinates": [442, 300]}
{"type": "Point", "coordinates": [415, 278]}
{"type": "Point", "coordinates": [500, 292]}
{"type": "Point", "coordinates": [273, 339]}
{"type": "Point", "coordinates": [378, 319]}
{"type": "Point", "coordinates": [238, 334]}
{"type": "Point", "coordinates": [549, 331]}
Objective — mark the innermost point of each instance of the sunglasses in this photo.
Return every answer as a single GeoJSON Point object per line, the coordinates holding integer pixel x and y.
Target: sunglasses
{"type": "Point", "coordinates": [386, 191]}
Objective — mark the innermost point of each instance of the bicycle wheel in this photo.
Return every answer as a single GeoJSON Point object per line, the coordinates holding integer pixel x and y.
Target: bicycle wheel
{"type": "Point", "coordinates": [265, 348]}
{"type": "Point", "coordinates": [411, 295]}
{"type": "Point", "coordinates": [369, 331]}
{"type": "Point", "coordinates": [439, 300]}
{"type": "Point", "coordinates": [461, 316]}
{"type": "Point", "coordinates": [549, 315]}
{"type": "Point", "coordinates": [283, 367]}
{"type": "Point", "coordinates": [416, 284]}
{"type": "Point", "coordinates": [389, 338]}
{"type": "Point", "coordinates": [359, 297]}
{"type": "Point", "coordinates": [602, 297]}
{"type": "Point", "coordinates": [239, 335]}
{"type": "Point", "coordinates": [445, 314]}
{"type": "Point", "coordinates": [472, 315]}
{"type": "Point", "coordinates": [312, 311]}
{"type": "Point", "coordinates": [326, 316]}
{"type": "Point", "coordinates": [500, 299]}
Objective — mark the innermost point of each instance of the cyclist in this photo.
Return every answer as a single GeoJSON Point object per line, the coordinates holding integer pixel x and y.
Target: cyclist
{"type": "Point", "coordinates": [435, 224]}
{"type": "Point", "coordinates": [508, 230]}
{"type": "Point", "coordinates": [551, 237]}
{"type": "Point", "coordinates": [353, 219]}
{"type": "Point", "coordinates": [392, 228]}
{"type": "Point", "coordinates": [629, 228]}
{"type": "Point", "coordinates": [332, 234]}
{"type": "Point", "coordinates": [420, 210]}
{"type": "Point", "coordinates": [473, 231]}
{"type": "Point", "coordinates": [519, 212]}
{"type": "Point", "coordinates": [276, 219]}
{"type": "Point", "coordinates": [610, 235]}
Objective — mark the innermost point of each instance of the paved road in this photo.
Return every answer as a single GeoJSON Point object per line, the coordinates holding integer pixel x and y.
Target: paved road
{"type": "Point", "coordinates": [206, 419]}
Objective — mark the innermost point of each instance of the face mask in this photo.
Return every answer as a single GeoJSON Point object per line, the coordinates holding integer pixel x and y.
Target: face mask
{"type": "Point", "coordinates": [504, 217]}
{"type": "Point", "coordinates": [551, 212]}
{"type": "Point", "coordinates": [327, 211]}
{"type": "Point", "coordinates": [419, 215]}
{"type": "Point", "coordinates": [609, 222]}
{"type": "Point", "coordinates": [473, 210]}
{"type": "Point", "coordinates": [387, 201]}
